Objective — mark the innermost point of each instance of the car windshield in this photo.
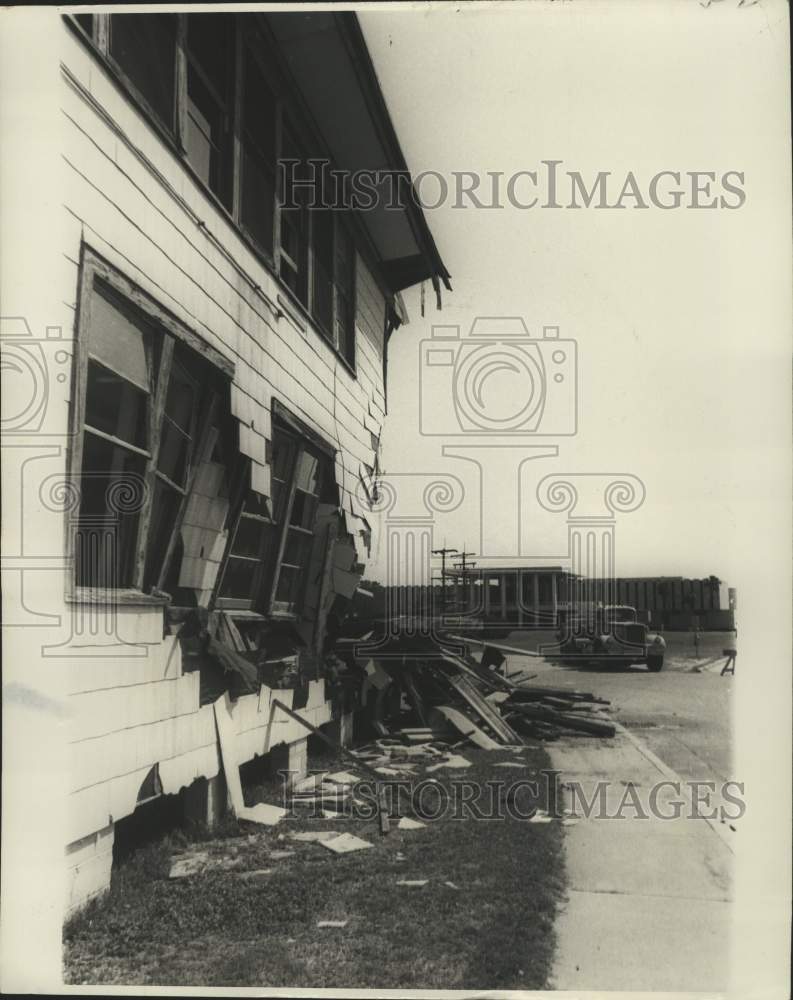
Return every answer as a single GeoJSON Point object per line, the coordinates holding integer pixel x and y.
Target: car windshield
{"type": "Point", "coordinates": [621, 614]}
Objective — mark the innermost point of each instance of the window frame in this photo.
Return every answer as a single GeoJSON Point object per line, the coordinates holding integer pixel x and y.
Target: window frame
{"type": "Point", "coordinates": [288, 115]}
{"type": "Point", "coordinates": [95, 270]}
{"type": "Point", "coordinates": [261, 601]}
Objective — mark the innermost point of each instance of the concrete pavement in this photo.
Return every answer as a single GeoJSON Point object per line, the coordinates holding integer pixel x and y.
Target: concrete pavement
{"type": "Point", "coordinates": [648, 906]}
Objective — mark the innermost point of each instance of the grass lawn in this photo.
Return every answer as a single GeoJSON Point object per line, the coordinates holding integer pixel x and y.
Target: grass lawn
{"type": "Point", "coordinates": [220, 928]}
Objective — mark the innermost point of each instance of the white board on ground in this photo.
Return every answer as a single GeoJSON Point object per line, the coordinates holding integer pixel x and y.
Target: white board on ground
{"type": "Point", "coordinates": [344, 843]}
{"type": "Point", "coordinates": [455, 762]}
{"type": "Point", "coordinates": [314, 835]}
{"type": "Point", "coordinates": [262, 813]}
{"type": "Point", "coordinates": [342, 778]}
{"type": "Point", "coordinates": [406, 823]}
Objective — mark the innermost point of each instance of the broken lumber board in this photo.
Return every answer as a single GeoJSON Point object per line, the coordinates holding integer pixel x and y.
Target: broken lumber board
{"type": "Point", "coordinates": [414, 695]}
{"type": "Point", "coordinates": [500, 646]}
{"type": "Point", "coordinates": [483, 708]}
{"type": "Point", "coordinates": [261, 813]}
{"type": "Point", "coordinates": [493, 680]}
{"type": "Point", "coordinates": [467, 728]}
{"type": "Point", "coordinates": [574, 722]}
{"type": "Point", "coordinates": [384, 826]}
{"type": "Point", "coordinates": [535, 692]}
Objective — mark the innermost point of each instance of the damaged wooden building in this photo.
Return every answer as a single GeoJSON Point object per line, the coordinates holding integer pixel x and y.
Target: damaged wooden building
{"type": "Point", "coordinates": [224, 394]}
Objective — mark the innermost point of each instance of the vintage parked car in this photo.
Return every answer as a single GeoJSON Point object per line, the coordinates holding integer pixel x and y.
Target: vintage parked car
{"type": "Point", "coordinates": [612, 634]}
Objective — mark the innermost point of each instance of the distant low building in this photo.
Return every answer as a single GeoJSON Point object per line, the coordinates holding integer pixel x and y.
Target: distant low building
{"type": "Point", "coordinates": [538, 596]}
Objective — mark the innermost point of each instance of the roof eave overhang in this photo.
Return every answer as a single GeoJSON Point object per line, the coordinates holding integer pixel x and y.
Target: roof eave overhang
{"type": "Point", "coordinates": [326, 55]}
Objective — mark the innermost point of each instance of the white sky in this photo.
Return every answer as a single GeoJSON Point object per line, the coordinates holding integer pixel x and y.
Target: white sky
{"type": "Point", "coordinates": [682, 317]}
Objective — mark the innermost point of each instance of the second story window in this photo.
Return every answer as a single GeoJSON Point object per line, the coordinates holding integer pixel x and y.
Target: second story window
{"type": "Point", "coordinates": [270, 549]}
{"type": "Point", "coordinates": [258, 155]}
{"type": "Point", "coordinates": [142, 413]}
{"type": "Point", "coordinates": [345, 294]}
{"type": "Point", "coordinates": [211, 85]}
{"type": "Point", "coordinates": [209, 121]}
{"type": "Point", "coordinates": [143, 47]}
{"type": "Point", "coordinates": [293, 259]}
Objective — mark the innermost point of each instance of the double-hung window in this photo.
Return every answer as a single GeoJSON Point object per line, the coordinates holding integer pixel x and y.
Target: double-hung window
{"type": "Point", "coordinates": [270, 546]}
{"type": "Point", "coordinates": [142, 48]}
{"type": "Point", "coordinates": [294, 215]}
{"type": "Point", "coordinates": [211, 85]}
{"type": "Point", "coordinates": [208, 133]}
{"type": "Point", "coordinates": [258, 154]}
{"type": "Point", "coordinates": [145, 400]}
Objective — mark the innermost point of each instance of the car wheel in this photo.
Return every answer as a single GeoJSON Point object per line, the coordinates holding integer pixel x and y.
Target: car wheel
{"type": "Point", "coordinates": [655, 663]}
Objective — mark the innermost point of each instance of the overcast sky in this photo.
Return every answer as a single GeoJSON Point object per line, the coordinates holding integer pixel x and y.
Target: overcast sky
{"type": "Point", "coordinates": [682, 317]}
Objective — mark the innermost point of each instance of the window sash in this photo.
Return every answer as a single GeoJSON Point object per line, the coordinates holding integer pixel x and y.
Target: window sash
{"type": "Point", "coordinates": [95, 273]}
{"type": "Point", "coordinates": [272, 564]}
{"type": "Point", "coordinates": [226, 181]}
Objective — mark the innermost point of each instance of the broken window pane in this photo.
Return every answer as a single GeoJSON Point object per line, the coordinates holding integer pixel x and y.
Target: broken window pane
{"type": "Point", "coordinates": [239, 578]}
{"type": "Point", "coordinates": [144, 46]}
{"type": "Point", "coordinates": [242, 575]}
{"type": "Point", "coordinates": [308, 476]}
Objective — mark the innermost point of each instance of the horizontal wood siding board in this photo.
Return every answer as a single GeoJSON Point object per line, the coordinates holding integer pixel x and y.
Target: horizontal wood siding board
{"type": "Point", "coordinates": [129, 198]}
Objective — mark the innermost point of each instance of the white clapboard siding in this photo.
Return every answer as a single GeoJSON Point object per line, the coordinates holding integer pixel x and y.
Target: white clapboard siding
{"type": "Point", "coordinates": [88, 864]}
{"type": "Point", "coordinates": [128, 197]}
{"type": "Point", "coordinates": [116, 668]}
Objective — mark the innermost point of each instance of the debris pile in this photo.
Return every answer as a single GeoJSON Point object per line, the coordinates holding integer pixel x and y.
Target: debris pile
{"type": "Point", "coordinates": [458, 700]}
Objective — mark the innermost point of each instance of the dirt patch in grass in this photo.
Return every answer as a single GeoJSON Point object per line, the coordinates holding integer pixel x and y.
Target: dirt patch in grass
{"type": "Point", "coordinates": [222, 928]}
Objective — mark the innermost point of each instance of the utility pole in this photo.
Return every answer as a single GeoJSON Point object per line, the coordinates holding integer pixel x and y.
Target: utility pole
{"type": "Point", "coordinates": [463, 564]}
{"type": "Point", "coordinates": [443, 553]}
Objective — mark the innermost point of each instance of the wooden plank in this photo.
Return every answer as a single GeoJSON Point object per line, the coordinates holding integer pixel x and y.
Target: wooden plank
{"type": "Point", "coordinates": [414, 695]}
{"type": "Point", "coordinates": [483, 709]}
{"type": "Point", "coordinates": [324, 587]}
{"type": "Point", "coordinates": [384, 824]}
{"type": "Point", "coordinates": [466, 727]}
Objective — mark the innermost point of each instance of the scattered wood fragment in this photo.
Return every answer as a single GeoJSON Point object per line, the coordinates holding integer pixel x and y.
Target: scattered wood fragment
{"type": "Point", "coordinates": [314, 836]}
{"type": "Point", "coordinates": [454, 762]}
{"type": "Point", "coordinates": [254, 873]}
{"type": "Point", "coordinates": [276, 704]}
{"type": "Point", "coordinates": [467, 728]}
{"type": "Point", "coordinates": [567, 721]}
{"type": "Point", "coordinates": [344, 843]}
{"type": "Point", "coordinates": [185, 865]}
